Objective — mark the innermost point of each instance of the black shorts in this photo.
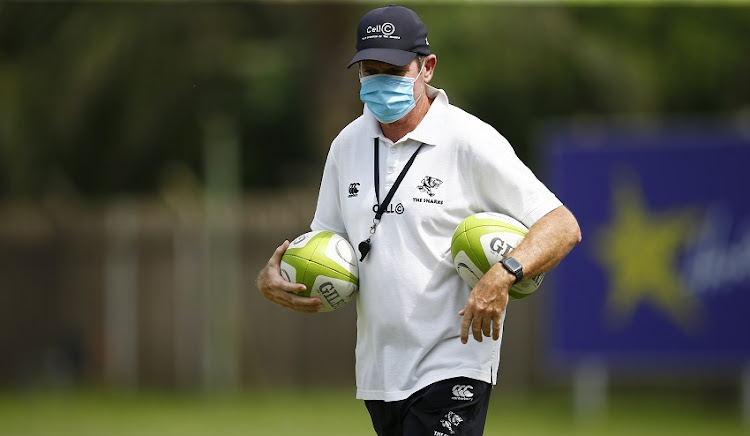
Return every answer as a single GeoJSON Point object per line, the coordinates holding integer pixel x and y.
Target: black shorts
{"type": "Point", "coordinates": [456, 406]}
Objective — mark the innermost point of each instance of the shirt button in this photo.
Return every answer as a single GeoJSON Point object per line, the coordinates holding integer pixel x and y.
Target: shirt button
{"type": "Point", "coordinates": [393, 149]}
{"type": "Point", "coordinates": [390, 170]}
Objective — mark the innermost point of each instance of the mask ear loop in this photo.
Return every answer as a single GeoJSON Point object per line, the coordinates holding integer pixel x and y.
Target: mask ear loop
{"type": "Point", "coordinates": [421, 69]}
{"type": "Point", "coordinates": [415, 81]}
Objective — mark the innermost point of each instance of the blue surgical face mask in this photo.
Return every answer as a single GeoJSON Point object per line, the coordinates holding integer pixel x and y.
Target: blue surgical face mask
{"type": "Point", "coordinates": [388, 97]}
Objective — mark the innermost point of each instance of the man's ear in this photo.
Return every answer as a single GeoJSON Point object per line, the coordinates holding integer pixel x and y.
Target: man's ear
{"type": "Point", "coordinates": [429, 67]}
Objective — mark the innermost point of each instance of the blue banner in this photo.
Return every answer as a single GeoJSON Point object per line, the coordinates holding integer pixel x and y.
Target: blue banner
{"type": "Point", "coordinates": [663, 273]}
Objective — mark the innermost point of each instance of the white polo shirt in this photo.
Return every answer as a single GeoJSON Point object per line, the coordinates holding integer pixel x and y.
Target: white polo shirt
{"type": "Point", "coordinates": [409, 294]}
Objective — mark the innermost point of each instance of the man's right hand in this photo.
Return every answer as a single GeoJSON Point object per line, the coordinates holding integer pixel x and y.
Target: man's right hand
{"type": "Point", "coordinates": [282, 292]}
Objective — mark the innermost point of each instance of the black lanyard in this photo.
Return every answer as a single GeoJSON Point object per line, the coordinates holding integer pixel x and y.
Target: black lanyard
{"type": "Point", "coordinates": [364, 246]}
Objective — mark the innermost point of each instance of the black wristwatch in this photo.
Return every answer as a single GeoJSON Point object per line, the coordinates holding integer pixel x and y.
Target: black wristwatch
{"type": "Point", "coordinates": [514, 267]}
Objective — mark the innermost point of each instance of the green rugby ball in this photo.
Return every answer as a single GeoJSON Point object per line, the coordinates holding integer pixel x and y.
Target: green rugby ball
{"type": "Point", "coordinates": [482, 240]}
{"type": "Point", "coordinates": [327, 264]}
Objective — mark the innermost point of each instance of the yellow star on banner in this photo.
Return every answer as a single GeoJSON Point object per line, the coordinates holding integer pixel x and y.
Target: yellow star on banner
{"type": "Point", "coordinates": [639, 250]}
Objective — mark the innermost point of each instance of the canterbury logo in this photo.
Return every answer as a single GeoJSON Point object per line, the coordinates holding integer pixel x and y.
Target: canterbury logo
{"type": "Point", "coordinates": [353, 189]}
{"type": "Point", "coordinates": [463, 392]}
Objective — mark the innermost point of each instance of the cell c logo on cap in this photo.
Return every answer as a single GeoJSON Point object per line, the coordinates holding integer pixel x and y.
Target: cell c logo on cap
{"type": "Point", "coordinates": [388, 29]}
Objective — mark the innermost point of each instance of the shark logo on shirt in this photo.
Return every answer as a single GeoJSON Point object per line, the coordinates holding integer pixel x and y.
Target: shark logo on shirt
{"type": "Point", "coordinates": [428, 184]}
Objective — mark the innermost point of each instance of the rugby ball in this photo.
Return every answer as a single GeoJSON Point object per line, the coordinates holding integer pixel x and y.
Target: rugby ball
{"type": "Point", "coordinates": [481, 241]}
{"type": "Point", "coordinates": [324, 262]}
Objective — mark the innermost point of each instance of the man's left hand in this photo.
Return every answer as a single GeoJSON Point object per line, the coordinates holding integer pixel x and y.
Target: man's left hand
{"type": "Point", "coordinates": [484, 311]}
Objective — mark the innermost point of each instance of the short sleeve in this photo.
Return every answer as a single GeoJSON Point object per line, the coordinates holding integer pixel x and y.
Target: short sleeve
{"type": "Point", "coordinates": [328, 211]}
{"type": "Point", "coordinates": [503, 183]}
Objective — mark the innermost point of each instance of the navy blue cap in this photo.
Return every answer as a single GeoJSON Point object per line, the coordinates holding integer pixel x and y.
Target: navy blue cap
{"type": "Point", "coordinates": [393, 34]}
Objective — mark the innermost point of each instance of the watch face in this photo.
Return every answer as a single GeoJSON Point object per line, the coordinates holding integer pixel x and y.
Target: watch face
{"type": "Point", "coordinates": [512, 264]}
{"type": "Point", "coordinates": [514, 267]}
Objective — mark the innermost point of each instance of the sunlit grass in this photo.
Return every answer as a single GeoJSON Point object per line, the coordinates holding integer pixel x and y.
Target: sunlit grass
{"type": "Point", "coordinates": [336, 412]}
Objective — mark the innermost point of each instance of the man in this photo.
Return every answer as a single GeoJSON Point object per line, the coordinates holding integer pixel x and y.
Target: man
{"type": "Point", "coordinates": [424, 165]}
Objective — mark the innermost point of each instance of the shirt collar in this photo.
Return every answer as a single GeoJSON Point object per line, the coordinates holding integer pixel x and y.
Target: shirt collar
{"type": "Point", "coordinates": [428, 130]}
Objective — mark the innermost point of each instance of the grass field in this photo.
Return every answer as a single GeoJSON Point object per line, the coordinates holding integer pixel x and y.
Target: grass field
{"type": "Point", "coordinates": [336, 412]}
